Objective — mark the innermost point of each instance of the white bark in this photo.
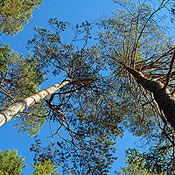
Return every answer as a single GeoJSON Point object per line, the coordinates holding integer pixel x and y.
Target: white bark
{"type": "Point", "coordinates": [8, 113]}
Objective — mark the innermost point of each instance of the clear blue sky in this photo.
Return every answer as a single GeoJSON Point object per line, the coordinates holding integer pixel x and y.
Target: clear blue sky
{"type": "Point", "coordinates": [73, 11]}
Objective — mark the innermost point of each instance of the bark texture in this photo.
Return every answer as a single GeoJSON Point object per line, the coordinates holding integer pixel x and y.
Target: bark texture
{"type": "Point", "coordinates": [162, 96]}
{"type": "Point", "coordinates": [8, 113]}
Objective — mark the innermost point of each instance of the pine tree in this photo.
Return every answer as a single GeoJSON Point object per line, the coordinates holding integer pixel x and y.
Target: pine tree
{"type": "Point", "coordinates": [11, 163]}
{"type": "Point", "coordinates": [15, 13]}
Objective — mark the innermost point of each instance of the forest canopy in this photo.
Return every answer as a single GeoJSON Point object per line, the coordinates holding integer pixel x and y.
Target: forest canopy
{"type": "Point", "coordinates": [15, 13]}
{"type": "Point", "coordinates": [112, 75]}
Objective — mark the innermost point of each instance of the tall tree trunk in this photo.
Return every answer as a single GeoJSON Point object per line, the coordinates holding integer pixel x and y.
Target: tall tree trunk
{"type": "Point", "coordinates": [15, 108]}
{"type": "Point", "coordinates": [162, 96]}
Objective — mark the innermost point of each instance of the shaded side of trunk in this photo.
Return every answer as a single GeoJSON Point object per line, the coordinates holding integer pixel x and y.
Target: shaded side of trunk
{"type": "Point", "coordinates": [162, 96]}
{"type": "Point", "coordinates": [147, 84]}
{"type": "Point", "coordinates": [15, 108]}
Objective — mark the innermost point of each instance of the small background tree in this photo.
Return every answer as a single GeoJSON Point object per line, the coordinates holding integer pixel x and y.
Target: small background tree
{"type": "Point", "coordinates": [11, 163]}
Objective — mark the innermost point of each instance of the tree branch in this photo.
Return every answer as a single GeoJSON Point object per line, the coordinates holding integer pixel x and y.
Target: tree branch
{"type": "Point", "coordinates": [170, 71]}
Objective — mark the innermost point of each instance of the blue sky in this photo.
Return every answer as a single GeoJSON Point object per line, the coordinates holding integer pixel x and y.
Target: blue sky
{"type": "Point", "coordinates": [73, 11]}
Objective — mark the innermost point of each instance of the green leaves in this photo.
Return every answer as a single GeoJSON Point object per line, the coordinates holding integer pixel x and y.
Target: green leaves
{"type": "Point", "coordinates": [4, 50]}
{"type": "Point", "coordinates": [15, 13]}
{"type": "Point", "coordinates": [158, 160]}
{"type": "Point", "coordinates": [11, 163]}
{"type": "Point", "coordinates": [20, 78]}
{"type": "Point", "coordinates": [45, 167]}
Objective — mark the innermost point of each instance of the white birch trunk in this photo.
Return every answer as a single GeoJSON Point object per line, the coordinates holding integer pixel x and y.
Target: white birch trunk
{"type": "Point", "coordinates": [8, 113]}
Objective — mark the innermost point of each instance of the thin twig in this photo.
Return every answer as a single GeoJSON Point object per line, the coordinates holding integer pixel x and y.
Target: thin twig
{"type": "Point", "coordinates": [169, 72]}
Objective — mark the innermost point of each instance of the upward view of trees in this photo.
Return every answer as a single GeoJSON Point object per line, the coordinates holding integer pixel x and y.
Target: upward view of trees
{"type": "Point", "coordinates": [123, 81]}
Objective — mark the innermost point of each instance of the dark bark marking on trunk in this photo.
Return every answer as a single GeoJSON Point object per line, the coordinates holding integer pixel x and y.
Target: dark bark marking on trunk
{"type": "Point", "coordinates": [162, 96]}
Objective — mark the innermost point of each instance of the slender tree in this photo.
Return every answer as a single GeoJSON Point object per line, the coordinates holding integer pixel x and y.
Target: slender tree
{"type": "Point", "coordinates": [14, 109]}
{"type": "Point", "coordinates": [132, 36]}
{"type": "Point", "coordinates": [18, 79]}
{"type": "Point", "coordinates": [85, 109]}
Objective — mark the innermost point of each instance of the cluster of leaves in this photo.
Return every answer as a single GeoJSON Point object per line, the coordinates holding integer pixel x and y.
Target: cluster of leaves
{"type": "Point", "coordinates": [15, 13]}
{"type": "Point", "coordinates": [158, 160]}
{"type": "Point", "coordinates": [4, 49]}
{"type": "Point", "coordinates": [45, 167]}
{"type": "Point", "coordinates": [20, 78]}
{"type": "Point", "coordinates": [10, 163]}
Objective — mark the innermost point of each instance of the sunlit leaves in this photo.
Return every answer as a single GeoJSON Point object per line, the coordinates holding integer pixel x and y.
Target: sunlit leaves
{"type": "Point", "coordinates": [45, 167]}
{"type": "Point", "coordinates": [4, 49]}
{"type": "Point", "coordinates": [10, 162]}
{"type": "Point", "coordinates": [20, 78]}
{"type": "Point", "coordinates": [15, 13]}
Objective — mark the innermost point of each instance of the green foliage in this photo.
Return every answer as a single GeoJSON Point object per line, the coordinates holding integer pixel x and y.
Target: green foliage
{"type": "Point", "coordinates": [94, 113]}
{"type": "Point", "coordinates": [45, 167]}
{"type": "Point", "coordinates": [4, 49]}
{"type": "Point", "coordinates": [85, 109]}
{"type": "Point", "coordinates": [15, 13]}
{"type": "Point", "coordinates": [11, 163]}
{"type": "Point", "coordinates": [21, 78]}
{"type": "Point", "coordinates": [132, 35]}
{"type": "Point", "coordinates": [16, 70]}
{"type": "Point", "coordinates": [31, 120]}
{"type": "Point", "coordinates": [101, 99]}
{"type": "Point", "coordinates": [159, 160]}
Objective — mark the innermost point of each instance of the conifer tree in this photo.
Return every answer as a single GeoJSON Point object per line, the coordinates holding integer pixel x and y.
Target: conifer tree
{"type": "Point", "coordinates": [15, 13]}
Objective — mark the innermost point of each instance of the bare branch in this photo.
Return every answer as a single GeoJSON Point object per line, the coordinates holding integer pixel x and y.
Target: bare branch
{"type": "Point", "coordinates": [170, 71]}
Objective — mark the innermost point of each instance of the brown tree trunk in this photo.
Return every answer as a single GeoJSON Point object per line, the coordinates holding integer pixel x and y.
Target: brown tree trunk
{"type": "Point", "coordinates": [15, 108]}
{"type": "Point", "coordinates": [162, 96]}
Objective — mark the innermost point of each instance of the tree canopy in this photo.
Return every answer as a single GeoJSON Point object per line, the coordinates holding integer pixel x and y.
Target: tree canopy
{"type": "Point", "coordinates": [122, 81]}
{"type": "Point", "coordinates": [10, 163]}
{"type": "Point", "coordinates": [15, 13]}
